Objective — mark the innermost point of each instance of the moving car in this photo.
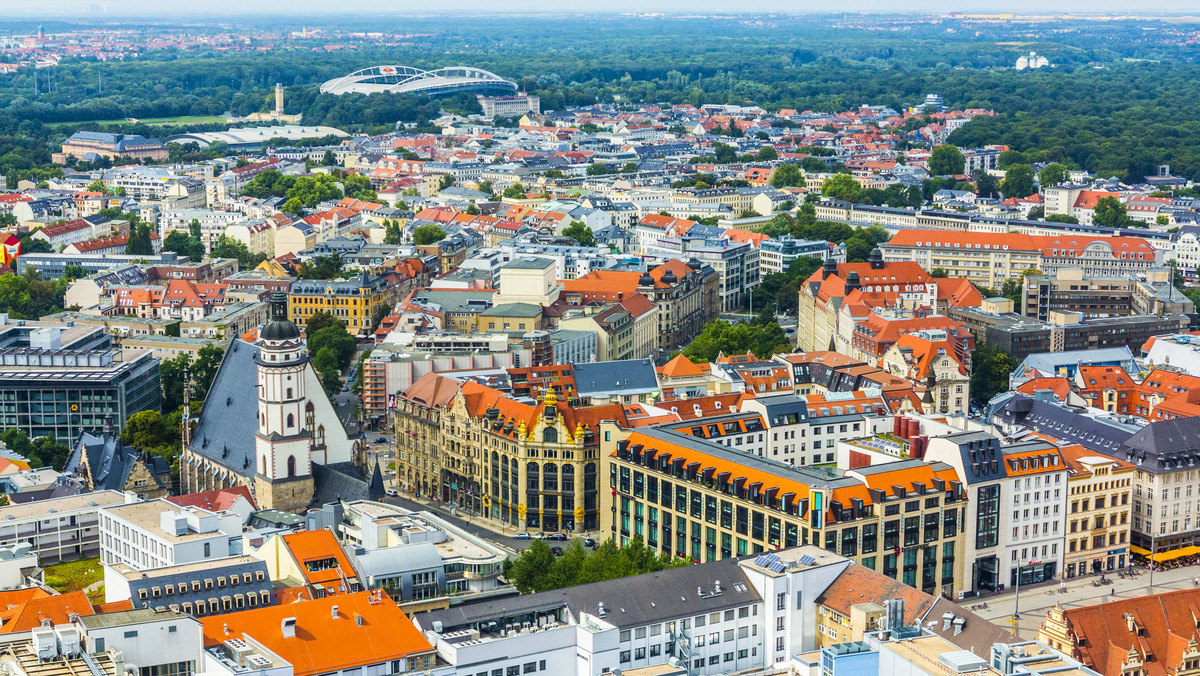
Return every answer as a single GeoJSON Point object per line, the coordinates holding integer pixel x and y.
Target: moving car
{"type": "Point", "coordinates": [589, 542]}
{"type": "Point", "coordinates": [393, 494]}
{"type": "Point", "coordinates": [381, 440]}
{"type": "Point", "coordinates": [556, 550]}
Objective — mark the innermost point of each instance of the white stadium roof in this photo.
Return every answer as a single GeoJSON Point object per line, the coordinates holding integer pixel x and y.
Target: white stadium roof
{"type": "Point", "coordinates": [255, 135]}
{"type": "Point", "coordinates": [409, 80]}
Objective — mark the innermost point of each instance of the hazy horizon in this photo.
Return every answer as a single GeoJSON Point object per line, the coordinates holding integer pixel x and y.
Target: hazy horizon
{"type": "Point", "coordinates": [150, 9]}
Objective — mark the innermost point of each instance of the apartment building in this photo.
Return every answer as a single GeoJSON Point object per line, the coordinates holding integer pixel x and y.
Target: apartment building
{"type": "Point", "coordinates": [57, 530]}
{"type": "Point", "coordinates": [775, 255]}
{"type": "Point", "coordinates": [354, 301]}
{"type": "Point", "coordinates": [986, 259]}
{"type": "Point", "coordinates": [1098, 513]}
{"type": "Point", "coordinates": [685, 496]}
{"type": "Point", "coordinates": [198, 588]}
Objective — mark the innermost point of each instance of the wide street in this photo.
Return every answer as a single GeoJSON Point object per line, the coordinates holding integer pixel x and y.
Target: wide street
{"type": "Point", "coordinates": [1036, 600]}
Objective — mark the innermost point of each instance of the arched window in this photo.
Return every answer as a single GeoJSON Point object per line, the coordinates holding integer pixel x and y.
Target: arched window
{"type": "Point", "coordinates": [291, 466]}
{"type": "Point", "coordinates": [549, 477]}
{"type": "Point", "coordinates": [320, 435]}
{"type": "Point", "coordinates": [568, 478]}
{"type": "Point", "coordinates": [291, 420]}
{"type": "Point", "coordinates": [531, 476]}
{"type": "Point", "coordinates": [264, 465]}
{"type": "Point", "coordinates": [310, 417]}
{"type": "Point", "coordinates": [550, 435]}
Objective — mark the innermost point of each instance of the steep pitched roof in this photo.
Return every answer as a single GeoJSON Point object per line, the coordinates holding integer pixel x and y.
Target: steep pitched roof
{"type": "Point", "coordinates": [218, 500]}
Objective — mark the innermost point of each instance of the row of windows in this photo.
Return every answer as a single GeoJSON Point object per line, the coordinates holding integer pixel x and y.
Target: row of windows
{"type": "Point", "coordinates": [196, 585]}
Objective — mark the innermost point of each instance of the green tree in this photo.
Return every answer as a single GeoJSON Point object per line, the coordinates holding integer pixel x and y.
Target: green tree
{"type": "Point", "coordinates": [325, 364]}
{"type": "Point", "coordinates": [986, 185]}
{"type": "Point", "coordinates": [630, 168]}
{"type": "Point", "coordinates": [391, 232]}
{"type": "Point", "coordinates": [787, 175]}
{"type": "Point", "coordinates": [762, 338]}
{"type": "Point", "coordinates": [446, 182]}
{"type": "Point", "coordinates": [938, 273]}
{"type": "Point", "coordinates": [580, 232]}
{"type": "Point", "coordinates": [1162, 219]}
{"type": "Point", "coordinates": [766, 154]}
{"type": "Point", "coordinates": [329, 160]}
{"type": "Point", "coordinates": [428, 234]}
{"type": "Point", "coordinates": [1053, 174]}
{"type": "Point", "coordinates": [145, 429]}
{"type": "Point", "coordinates": [97, 186]}
{"type": "Point", "coordinates": [139, 243]}
{"type": "Point", "coordinates": [841, 187]}
{"type": "Point", "coordinates": [319, 320]}
{"type": "Point", "coordinates": [990, 369]}
{"type": "Point", "coordinates": [321, 267]}
{"type": "Point", "coordinates": [516, 191]}
{"type": "Point", "coordinates": [858, 250]}
{"type": "Point", "coordinates": [946, 160]}
{"type": "Point", "coordinates": [724, 154]}
{"type": "Point", "coordinates": [1062, 218]}
{"type": "Point", "coordinates": [1018, 181]}
{"type": "Point", "coordinates": [336, 339]}
{"type": "Point", "coordinates": [1110, 213]}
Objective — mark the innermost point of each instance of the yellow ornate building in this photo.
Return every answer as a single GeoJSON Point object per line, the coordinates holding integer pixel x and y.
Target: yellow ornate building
{"type": "Point", "coordinates": [529, 466]}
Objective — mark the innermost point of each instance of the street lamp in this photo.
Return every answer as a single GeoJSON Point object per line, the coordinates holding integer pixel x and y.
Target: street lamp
{"type": "Point", "coordinates": [1017, 601]}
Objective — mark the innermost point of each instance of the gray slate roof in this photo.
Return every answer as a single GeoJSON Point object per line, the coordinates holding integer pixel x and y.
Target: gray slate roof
{"type": "Point", "coordinates": [604, 379]}
{"type": "Point", "coordinates": [630, 602]}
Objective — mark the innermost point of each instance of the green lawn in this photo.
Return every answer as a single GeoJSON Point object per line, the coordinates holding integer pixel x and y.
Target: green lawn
{"type": "Point", "coordinates": [181, 119]}
{"type": "Point", "coordinates": [74, 575]}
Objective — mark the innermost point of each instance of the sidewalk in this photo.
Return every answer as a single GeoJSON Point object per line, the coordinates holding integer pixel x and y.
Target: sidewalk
{"type": "Point", "coordinates": [1035, 600]}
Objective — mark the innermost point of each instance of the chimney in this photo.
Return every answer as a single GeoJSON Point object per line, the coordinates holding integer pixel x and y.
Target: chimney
{"type": "Point", "coordinates": [333, 612]}
{"type": "Point", "coordinates": [278, 98]}
{"type": "Point", "coordinates": [288, 626]}
{"type": "Point", "coordinates": [358, 619]}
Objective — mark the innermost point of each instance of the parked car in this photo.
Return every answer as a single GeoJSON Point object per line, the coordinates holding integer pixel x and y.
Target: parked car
{"type": "Point", "coordinates": [557, 536]}
{"type": "Point", "coordinates": [345, 388]}
{"type": "Point", "coordinates": [522, 536]}
{"type": "Point", "coordinates": [539, 536]}
{"type": "Point", "coordinates": [556, 550]}
{"type": "Point", "coordinates": [381, 440]}
{"type": "Point", "coordinates": [589, 542]}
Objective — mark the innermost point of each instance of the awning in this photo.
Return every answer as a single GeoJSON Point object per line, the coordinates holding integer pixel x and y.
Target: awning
{"type": "Point", "coordinates": [1175, 553]}
{"type": "Point", "coordinates": [1139, 551]}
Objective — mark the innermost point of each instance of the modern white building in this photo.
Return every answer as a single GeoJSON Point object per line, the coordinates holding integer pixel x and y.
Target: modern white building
{"type": "Point", "coordinates": [157, 533]}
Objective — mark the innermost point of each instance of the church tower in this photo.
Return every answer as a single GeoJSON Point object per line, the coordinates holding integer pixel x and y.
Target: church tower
{"type": "Point", "coordinates": [283, 478]}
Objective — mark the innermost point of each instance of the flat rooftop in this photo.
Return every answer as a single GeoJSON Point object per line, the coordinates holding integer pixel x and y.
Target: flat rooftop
{"type": "Point", "coordinates": [75, 503]}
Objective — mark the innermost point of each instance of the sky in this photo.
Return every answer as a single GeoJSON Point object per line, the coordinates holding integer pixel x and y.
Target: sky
{"type": "Point", "coordinates": [153, 8]}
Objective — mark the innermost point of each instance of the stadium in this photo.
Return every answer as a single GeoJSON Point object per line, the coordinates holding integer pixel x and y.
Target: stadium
{"type": "Point", "coordinates": [409, 80]}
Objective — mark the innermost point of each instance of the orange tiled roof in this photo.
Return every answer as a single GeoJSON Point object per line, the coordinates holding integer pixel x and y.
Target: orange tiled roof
{"type": "Point", "coordinates": [322, 642]}
{"type": "Point", "coordinates": [32, 608]}
{"type": "Point", "coordinates": [680, 367]}
{"type": "Point", "coordinates": [318, 545]}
